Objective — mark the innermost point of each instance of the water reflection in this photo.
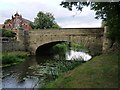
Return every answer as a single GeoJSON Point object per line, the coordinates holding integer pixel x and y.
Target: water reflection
{"type": "Point", "coordinates": [36, 71]}
{"type": "Point", "coordinates": [18, 76]}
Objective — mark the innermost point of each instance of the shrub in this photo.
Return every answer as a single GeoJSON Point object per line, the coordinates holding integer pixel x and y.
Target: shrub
{"type": "Point", "coordinates": [7, 33]}
{"type": "Point", "coordinates": [62, 47]}
{"type": "Point", "coordinates": [78, 47]}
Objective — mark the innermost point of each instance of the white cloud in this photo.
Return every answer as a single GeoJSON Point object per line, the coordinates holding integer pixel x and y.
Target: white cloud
{"type": "Point", "coordinates": [65, 18]}
{"type": "Point", "coordinates": [83, 19]}
{"type": "Point", "coordinates": [77, 24]}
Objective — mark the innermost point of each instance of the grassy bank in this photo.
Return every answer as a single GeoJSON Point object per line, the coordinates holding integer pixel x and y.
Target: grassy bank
{"type": "Point", "coordinates": [12, 58]}
{"type": "Point", "coordinates": [100, 72]}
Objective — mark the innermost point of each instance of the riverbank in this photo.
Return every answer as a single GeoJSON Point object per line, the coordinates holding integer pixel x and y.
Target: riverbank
{"type": "Point", "coordinates": [12, 58]}
{"type": "Point", "coordinates": [100, 72]}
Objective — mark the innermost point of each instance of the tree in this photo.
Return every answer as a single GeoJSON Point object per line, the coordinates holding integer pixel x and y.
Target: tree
{"type": "Point", "coordinates": [44, 21]}
{"type": "Point", "coordinates": [31, 24]}
{"type": "Point", "coordinates": [107, 11]}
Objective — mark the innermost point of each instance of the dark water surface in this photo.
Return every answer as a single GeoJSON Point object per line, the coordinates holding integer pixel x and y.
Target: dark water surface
{"type": "Point", "coordinates": [37, 71]}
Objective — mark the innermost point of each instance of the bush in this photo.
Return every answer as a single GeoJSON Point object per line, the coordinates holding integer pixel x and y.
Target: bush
{"type": "Point", "coordinates": [60, 48]}
{"type": "Point", "coordinates": [7, 33]}
{"type": "Point", "coordinates": [78, 47]}
{"type": "Point", "coordinates": [63, 47]}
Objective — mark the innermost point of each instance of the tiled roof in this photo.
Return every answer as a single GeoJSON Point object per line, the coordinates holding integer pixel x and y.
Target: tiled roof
{"type": "Point", "coordinates": [25, 20]}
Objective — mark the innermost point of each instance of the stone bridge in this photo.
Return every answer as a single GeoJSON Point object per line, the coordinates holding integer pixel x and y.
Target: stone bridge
{"type": "Point", "coordinates": [91, 38]}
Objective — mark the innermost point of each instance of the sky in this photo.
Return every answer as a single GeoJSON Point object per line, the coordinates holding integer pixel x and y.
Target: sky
{"type": "Point", "coordinates": [64, 18]}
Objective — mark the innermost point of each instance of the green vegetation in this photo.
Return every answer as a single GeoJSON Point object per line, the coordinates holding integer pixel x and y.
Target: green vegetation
{"type": "Point", "coordinates": [63, 47]}
{"type": "Point", "coordinates": [44, 21]}
{"type": "Point", "coordinates": [11, 58]}
{"type": "Point", "coordinates": [107, 11]}
{"type": "Point", "coordinates": [7, 33]}
{"type": "Point", "coordinates": [55, 68]}
{"type": "Point", "coordinates": [78, 47]}
{"type": "Point", "coordinates": [100, 72]}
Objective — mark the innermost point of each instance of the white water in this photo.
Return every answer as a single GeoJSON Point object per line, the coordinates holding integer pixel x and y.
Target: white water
{"type": "Point", "coordinates": [77, 55]}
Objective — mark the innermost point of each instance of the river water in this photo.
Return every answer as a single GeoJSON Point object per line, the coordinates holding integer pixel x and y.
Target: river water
{"type": "Point", "coordinates": [38, 71]}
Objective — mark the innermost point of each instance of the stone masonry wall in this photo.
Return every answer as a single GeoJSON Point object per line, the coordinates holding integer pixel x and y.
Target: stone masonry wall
{"type": "Point", "coordinates": [92, 38]}
{"type": "Point", "coordinates": [14, 44]}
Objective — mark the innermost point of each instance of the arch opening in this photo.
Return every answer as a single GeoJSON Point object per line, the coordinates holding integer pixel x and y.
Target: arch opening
{"type": "Point", "coordinates": [46, 48]}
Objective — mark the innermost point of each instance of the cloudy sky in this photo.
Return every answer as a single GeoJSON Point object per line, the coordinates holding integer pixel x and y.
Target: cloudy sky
{"type": "Point", "coordinates": [65, 18]}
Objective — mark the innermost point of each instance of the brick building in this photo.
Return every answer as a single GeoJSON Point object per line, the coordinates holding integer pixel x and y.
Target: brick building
{"type": "Point", "coordinates": [16, 23]}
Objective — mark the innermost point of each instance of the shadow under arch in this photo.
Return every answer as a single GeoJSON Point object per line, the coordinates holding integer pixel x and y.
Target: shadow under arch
{"type": "Point", "coordinates": [45, 48]}
{"type": "Point", "coordinates": [43, 51]}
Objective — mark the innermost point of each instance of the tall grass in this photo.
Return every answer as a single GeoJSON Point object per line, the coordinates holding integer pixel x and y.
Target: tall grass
{"type": "Point", "coordinates": [13, 57]}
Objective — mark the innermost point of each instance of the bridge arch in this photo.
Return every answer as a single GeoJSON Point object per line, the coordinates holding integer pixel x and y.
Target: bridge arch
{"type": "Point", "coordinates": [42, 49]}
{"type": "Point", "coordinates": [91, 38]}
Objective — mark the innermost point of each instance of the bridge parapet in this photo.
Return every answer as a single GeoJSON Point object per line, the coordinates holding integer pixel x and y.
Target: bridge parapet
{"type": "Point", "coordinates": [68, 31]}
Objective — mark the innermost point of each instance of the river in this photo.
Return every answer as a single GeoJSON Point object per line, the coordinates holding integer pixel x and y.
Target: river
{"type": "Point", "coordinates": [38, 71]}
